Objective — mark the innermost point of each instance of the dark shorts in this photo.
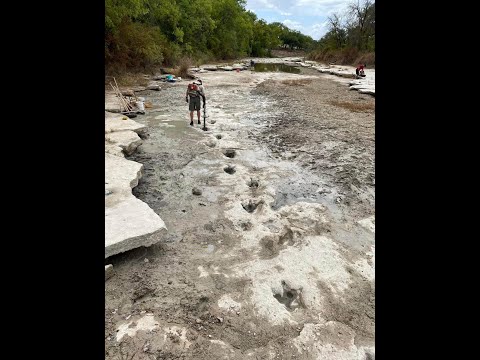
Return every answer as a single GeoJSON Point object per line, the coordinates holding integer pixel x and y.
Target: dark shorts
{"type": "Point", "coordinates": [194, 103]}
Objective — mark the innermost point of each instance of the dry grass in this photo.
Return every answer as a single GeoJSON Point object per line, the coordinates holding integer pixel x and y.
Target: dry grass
{"type": "Point", "coordinates": [183, 67]}
{"type": "Point", "coordinates": [299, 82]}
{"type": "Point", "coordinates": [367, 58]}
{"type": "Point", "coordinates": [343, 57]}
{"type": "Point", "coordinates": [355, 106]}
{"type": "Point", "coordinates": [287, 53]}
{"type": "Point", "coordinates": [128, 79]}
{"type": "Point", "coordinates": [168, 70]}
{"type": "Point", "coordinates": [181, 70]}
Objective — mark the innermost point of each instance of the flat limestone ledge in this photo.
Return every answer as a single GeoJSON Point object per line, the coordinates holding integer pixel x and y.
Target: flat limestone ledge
{"type": "Point", "coordinates": [294, 64]}
{"type": "Point", "coordinates": [121, 173]}
{"type": "Point", "coordinates": [130, 223]}
{"type": "Point", "coordinates": [127, 140]}
{"type": "Point", "coordinates": [294, 59]}
{"type": "Point", "coordinates": [109, 272]}
{"type": "Point", "coordinates": [364, 88]}
{"type": "Point", "coordinates": [209, 67]}
{"type": "Point", "coordinates": [368, 223]}
{"type": "Point", "coordinates": [367, 91]}
{"type": "Point", "coordinates": [114, 149]}
{"type": "Point", "coordinates": [112, 103]}
{"type": "Point", "coordinates": [117, 122]}
{"type": "Point", "coordinates": [342, 72]}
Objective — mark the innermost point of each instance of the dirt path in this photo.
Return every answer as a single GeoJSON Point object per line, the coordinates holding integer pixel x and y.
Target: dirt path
{"type": "Point", "coordinates": [269, 261]}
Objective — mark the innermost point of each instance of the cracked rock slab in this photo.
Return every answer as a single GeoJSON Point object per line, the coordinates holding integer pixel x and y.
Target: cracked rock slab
{"type": "Point", "coordinates": [121, 173]}
{"type": "Point", "coordinates": [114, 150]}
{"type": "Point", "coordinates": [109, 272]}
{"type": "Point", "coordinates": [128, 141]}
{"type": "Point", "coordinates": [112, 102]}
{"type": "Point", "coordinates": [129, 222]}
{"type": "Point", "coordinates": [368, 224]}
{"type": "Point", "coordinates": [118, 122]}
{"type": "Point", "coordinates": [209, 67]}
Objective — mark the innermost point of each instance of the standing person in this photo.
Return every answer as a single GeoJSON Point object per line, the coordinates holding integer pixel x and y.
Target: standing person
{"type": "Point", "coordinates": [194, 92]}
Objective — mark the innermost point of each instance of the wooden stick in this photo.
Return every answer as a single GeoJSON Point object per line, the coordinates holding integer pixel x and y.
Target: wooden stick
{"type": "Point", "coordinates": [127, 107]}
{"type": "Point", "coordinates": [120, 99]}
{"type": "Point", "coordinates": [123, 102]}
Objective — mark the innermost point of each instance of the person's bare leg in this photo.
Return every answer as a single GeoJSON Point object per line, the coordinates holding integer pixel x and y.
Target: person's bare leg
{"type": "Point", "coordinates": [191, 117]}
{"type": "Point", "coordinates": [198, 116]}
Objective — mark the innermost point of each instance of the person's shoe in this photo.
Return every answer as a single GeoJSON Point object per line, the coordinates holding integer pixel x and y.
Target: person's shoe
{"type": "Point", "coordinates": [191, 123]}
{"type": "Point", "coordinates": [199, 122]}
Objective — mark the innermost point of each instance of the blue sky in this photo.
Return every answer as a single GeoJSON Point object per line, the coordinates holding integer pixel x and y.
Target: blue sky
{"type": "Point", "coordinates": [307, 16]}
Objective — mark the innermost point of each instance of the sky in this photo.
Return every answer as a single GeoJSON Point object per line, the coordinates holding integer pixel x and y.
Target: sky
{"type": "Point", "coordinates": [307, 16]}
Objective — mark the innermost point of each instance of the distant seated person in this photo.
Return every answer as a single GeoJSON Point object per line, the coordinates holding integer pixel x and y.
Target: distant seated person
{"type": "Point", "coordinates": [359, 70]}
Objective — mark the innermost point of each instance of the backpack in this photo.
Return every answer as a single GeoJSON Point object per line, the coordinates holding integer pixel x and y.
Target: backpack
{"type": "Point", "coordinates": [192, 90]}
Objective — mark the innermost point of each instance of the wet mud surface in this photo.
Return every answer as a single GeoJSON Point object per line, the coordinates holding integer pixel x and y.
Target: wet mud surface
{"type": "Point", "coordinates": [267, 260]}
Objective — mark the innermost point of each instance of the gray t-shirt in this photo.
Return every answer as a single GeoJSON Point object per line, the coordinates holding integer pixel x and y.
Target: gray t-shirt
{"type": "Point", "coordinates": [201, 89]}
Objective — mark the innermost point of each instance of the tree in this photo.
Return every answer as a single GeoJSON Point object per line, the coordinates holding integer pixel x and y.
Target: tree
{"type": "Point", "coordinates": [362, 17]}
{"type": "Point", "coordinates": [337, 30]}
{"type": "Point", "coordinates": [140, 33]}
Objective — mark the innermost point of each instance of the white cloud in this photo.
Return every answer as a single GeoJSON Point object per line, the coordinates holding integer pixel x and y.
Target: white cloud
{"type": "Point", "coordinates": [295, 25]}
{"type": "Point", "coordinates": [299, 7]}
{"type": "Point", "coordinates": [264, 5]}
{"type": "Point", "coordinates": [306, 16]}
{"type": "Point", "coordinates": [316, 31]}
{"type": "Point", "coordinates": [319, 7]}
{"type": "Point", "coordinates": [267, 4]}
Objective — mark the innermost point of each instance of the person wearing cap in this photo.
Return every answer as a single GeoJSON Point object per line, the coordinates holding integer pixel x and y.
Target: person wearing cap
{"type": "Point", "coordinates": [201, 89]}
{"type": "Point", "coordinates": [195, 90]}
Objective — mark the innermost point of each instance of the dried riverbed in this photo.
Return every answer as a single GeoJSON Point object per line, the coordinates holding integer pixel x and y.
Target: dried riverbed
{"type": "Point", "coordinates": [275, 258]}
